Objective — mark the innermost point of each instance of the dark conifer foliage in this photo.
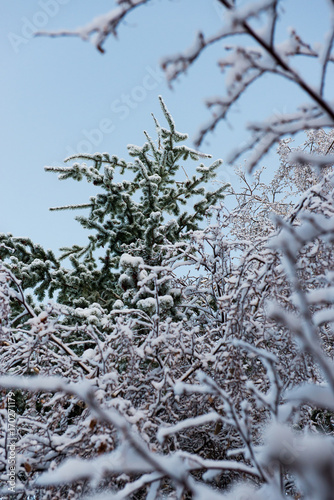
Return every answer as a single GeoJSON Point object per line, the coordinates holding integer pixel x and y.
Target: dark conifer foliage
{"type": "Point", "coordinates": [144, 205]}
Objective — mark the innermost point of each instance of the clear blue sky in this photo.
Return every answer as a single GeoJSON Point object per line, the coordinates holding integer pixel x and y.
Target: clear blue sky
{"type": "Point", "coordinates": [56, 93]}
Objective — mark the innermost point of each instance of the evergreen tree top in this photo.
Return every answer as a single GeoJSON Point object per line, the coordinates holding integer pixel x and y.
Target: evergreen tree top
{"type": "Point", "coordinates": [140, 210]}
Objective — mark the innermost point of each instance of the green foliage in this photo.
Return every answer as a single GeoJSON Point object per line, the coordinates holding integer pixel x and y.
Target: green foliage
{"type": "Point", "coordinates": [137, 215]}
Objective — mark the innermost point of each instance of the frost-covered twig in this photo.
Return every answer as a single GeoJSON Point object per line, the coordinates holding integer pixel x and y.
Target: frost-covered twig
{"type": "Point", "coordinates": [102, 26]}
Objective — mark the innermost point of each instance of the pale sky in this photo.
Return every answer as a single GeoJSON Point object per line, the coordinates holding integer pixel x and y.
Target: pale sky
{"type": "Point", "coordinates": [61, 95]}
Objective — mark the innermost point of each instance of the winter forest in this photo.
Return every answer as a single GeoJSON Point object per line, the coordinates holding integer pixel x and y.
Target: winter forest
{"type": "Point", "coordinates": [185, 351]}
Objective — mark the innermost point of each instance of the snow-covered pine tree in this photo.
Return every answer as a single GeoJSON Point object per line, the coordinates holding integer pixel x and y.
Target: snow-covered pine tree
{"type": "Point", "coordinates": [133, 217]}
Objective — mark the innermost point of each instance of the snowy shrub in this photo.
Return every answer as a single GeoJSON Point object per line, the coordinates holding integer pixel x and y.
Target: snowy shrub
{"type": "Point", "coordinates": [238, 387]}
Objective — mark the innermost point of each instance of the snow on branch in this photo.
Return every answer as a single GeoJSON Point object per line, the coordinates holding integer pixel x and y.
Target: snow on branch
{"type": "Point", "coordinates": [321, 396]}
{"type": "Point", "coordinates": [189, 422]}
{"type": "Point", "coordinates": [299, 157]}
{"type": "Point", "coordinates": [83, 390]}
{"type": "Point", "coordinates": [102, 26]}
